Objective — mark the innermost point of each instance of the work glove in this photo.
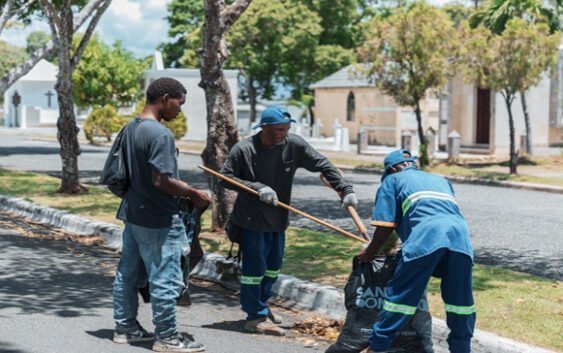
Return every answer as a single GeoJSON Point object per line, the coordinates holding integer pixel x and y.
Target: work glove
{"type": "Point", "coordinates": [268, 195]}
{"type": "Point", "coordinates": [350, 200]}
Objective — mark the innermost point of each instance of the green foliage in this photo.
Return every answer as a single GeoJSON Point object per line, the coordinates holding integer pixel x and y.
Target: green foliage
{"type": "Point", "coordinates": [185, 19]}
{"type": "Point", "coordinates": [512, 61]}
{"type": "Point", "coordinates": [274, 42]}
{"type": "Point", "coordinates": [509, 63]}
{"type": "Point", "coordinates": [423, 158]}
{"type": "Point", "coordinates": [178, 126]}
{"type": "Point", "coordinates": [10, 57]}
{"type": "Point", "coordinates": [103, 122]}
{"type": "Point", "coordinates": [107, 75]}
{"type": "Point", "coordinates": [36, 40]}
{"type": "Point", "coordinates": [496, 14]}
{"type": "Point", "coordinates": [409, 53]}
{"type": "Point", "coordinates": [458, 12]}
{"type": "Point", "coordinates": [295, 42]}
{"type": "Point", "coordinates": [341, 21]}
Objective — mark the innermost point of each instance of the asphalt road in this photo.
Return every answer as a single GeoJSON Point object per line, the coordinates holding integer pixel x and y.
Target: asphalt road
{"type": "Point", "coordinates": [511, 228]}
{"type": "Point", "coordinates": [55, 297]}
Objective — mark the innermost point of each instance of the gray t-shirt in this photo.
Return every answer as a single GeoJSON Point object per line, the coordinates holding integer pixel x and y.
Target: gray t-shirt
{"type": "Point", "coordinates": [149, 145]}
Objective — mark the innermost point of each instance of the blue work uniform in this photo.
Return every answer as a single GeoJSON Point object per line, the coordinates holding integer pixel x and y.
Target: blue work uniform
{"type": "Point", "coordinates": [422, 209]}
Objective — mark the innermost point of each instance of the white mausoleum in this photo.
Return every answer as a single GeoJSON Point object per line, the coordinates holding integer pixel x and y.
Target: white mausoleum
{"type": "Point", "coordinates": [32, 100]}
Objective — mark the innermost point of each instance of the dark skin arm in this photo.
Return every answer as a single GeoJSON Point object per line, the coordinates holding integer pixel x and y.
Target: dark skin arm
{"type": "Point", "coordinates": [175, 187]}
{"type": "Point", "coordinates": [380, 236]}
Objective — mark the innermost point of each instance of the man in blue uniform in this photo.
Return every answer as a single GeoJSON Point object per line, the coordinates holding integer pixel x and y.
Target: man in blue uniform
{"type": "Point", "coordinates": [421, 207]}
{"type": "Point", "coordinates": [267, 162]}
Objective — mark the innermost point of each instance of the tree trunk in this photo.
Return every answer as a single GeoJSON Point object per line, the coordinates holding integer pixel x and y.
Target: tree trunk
{"type": "Point", "coordinates": [67, 134]}
{"type": "Point", "coordinates": [423, 149]}
{"type": "Point", "coordinates": [251, 98]}
{"type": "Point", "coordinates": [67, 131]}
{"type": "Point", "coordinates": [6, 13]}
{"type": "Point", "coordinates": [221, 129]}
{"type": "Point", "coordinates": [222, 135]}
{"type": "Point", "coordinates": [310, 109]}
{"type": "Point", "coordinates": [527, 123]}
{"type": "Point", "coordinates": [513, 154]}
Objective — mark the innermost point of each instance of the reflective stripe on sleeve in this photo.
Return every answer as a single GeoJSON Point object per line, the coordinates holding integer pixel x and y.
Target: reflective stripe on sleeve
{"type": "Point", "coordinates": [251, 280]}
{"type": "Point", "coordinates": [399, 308]}
{"type": "Point", "coordinates": [460, 310]}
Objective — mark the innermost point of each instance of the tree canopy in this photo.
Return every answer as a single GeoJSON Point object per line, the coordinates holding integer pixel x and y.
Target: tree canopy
{"type": "Point", "coordinates": [107, 75]}
{"type": "Point", "coordinates": [10, 57]}
{"type": "Point", "coordinates": [409, 53]}
{"type": "Point", "coordinates": [510, 62]}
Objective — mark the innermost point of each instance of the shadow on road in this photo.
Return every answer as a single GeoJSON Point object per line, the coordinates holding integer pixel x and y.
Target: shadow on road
{"type": "Point", "coordinates": [6, 347]}
{"type": "Point", "coordinates": [47, 278]}
{"type": "Point", "coordinates": [233, 326]}
{"type": "Point", "coordinates": [106, 334]}
{"type": "Point", "coordinates": [531, 262]}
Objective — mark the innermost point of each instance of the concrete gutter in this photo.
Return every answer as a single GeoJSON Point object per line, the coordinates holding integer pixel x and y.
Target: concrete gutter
{"type": "Point", "coordinates": [289, 290]}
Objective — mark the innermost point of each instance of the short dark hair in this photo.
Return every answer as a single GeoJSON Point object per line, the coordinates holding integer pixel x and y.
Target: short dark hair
{"type": "Point", "coordinates": [162, 86]}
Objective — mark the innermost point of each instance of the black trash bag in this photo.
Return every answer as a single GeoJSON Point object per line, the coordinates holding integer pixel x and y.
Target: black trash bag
{"type": "Point", "coordinates": [363, 298]}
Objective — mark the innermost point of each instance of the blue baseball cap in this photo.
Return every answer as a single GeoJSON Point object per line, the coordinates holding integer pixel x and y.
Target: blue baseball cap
{"type": "Point", "coordinates": [274, 115]}
{"type": "Point", "coordinates": [394, 158]}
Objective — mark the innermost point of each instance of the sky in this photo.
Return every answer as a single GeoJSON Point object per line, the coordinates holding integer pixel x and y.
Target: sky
{"type": "Point", "coordinates": [139, 24]}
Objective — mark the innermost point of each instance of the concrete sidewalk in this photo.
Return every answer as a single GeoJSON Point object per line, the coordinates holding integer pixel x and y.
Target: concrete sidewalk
{"type": "Point", "coordinates": [289, 290]}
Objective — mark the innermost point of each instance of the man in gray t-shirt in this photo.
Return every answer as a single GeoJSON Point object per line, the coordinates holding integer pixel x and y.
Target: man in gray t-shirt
{"type": "Point", "coordinates": [154, 234]}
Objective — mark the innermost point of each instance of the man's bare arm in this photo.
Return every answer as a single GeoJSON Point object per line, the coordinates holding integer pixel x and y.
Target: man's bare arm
{"type": "Point", "coordinates": [380, 236]}
{"type": "Point", "coordinates": [175, 187]}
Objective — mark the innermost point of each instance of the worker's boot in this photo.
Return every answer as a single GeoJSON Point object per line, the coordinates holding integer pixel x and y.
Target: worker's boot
{"type": "Point", "coordinates": [276, 319]}
{"type": "Point", "coordinates": [262, 325]}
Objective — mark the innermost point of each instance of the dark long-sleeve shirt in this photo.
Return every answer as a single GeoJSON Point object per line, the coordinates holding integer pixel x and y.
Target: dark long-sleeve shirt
{"type": "Point", "coordinates": [256, 166]}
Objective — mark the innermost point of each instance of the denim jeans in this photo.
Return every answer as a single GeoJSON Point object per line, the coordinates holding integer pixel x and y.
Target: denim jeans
{"type": "Point", "coordinates": [158, 250]}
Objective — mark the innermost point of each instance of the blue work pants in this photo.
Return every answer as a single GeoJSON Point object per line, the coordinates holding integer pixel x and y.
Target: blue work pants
{"type": "Point", "coordinates": [407, 286]}
{"type": "Point", "coordinates": [262, 258]}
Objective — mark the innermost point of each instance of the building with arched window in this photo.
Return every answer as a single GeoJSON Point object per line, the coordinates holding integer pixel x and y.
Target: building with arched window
{"type": "Point", "coordinates": [355, 102]}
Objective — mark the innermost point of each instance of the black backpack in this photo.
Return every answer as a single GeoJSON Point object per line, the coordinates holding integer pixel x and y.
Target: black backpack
{"type": "Point", "coordinates": [114, 174]}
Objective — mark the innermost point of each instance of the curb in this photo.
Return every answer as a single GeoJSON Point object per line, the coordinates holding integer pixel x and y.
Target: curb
{"type": "Point", "coordinates": [291, 291]}
{"type": "Point", "coordinates": [474, 180]}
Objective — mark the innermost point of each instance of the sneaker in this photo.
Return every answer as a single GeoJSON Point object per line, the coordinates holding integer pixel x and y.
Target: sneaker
{"type": "Point", "coordinates": [177, 343]}
{"type": "Point", "coordinates": [138, 335]}
{"type": "Point", "coordinates": [276, 319]}
{"type": "Point", "coordinates": [261, 325]}
{"type": "Point", "coordinates": [184, 299]}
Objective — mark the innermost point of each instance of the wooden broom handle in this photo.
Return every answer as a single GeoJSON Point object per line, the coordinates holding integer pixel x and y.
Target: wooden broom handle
{"type": "Point", "coordinates": [281, 204]}
{"type": "Point", "coordinates": [351, 210]}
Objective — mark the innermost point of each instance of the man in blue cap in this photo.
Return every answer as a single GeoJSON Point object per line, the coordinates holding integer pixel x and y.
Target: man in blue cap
{"type": "Point", "coordinates": [421, 207]}
{"type": "Point", "coordinates": [267, 162]}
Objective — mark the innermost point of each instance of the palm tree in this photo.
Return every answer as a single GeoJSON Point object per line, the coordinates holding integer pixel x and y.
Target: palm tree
{"type": "Point", "coordinates": [495, 14]}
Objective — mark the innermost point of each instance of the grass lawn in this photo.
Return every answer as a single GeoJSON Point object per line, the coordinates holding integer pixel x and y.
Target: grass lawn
{"type": "Point", "coordinates": [515, 305]}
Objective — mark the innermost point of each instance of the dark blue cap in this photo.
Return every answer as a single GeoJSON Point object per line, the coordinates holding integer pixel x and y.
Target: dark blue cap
{"type": "Point", "coordinates": [274, 115]}
{"type": "Point", "coordinates": [396, 157]}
